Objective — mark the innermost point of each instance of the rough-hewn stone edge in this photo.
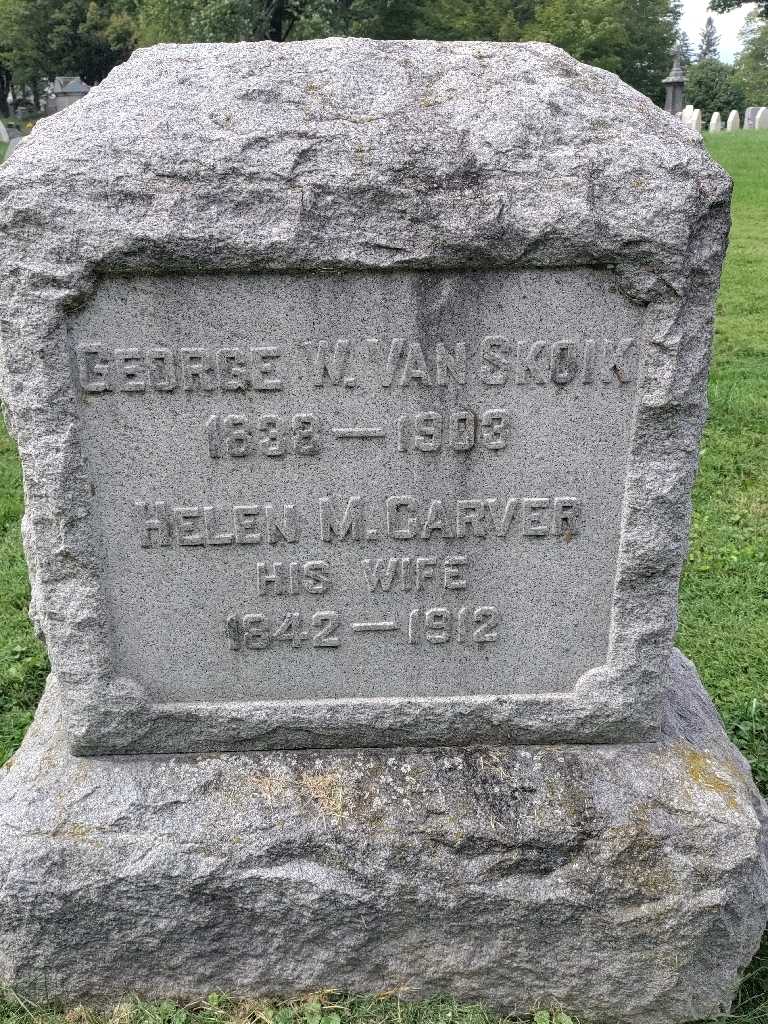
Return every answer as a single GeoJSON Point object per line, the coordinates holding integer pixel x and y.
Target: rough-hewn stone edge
{"type": "Point", "coordinates": [56, 266]}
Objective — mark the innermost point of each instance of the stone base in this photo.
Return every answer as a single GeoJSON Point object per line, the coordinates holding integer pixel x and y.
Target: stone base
{"type": "Point", "coordinates": [624, 883]}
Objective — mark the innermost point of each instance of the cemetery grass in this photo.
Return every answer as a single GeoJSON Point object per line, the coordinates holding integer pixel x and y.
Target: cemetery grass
{"type": "Point", "coordinates": [723, 614]}
{"type": "Point", "coordinates": [724, 598]}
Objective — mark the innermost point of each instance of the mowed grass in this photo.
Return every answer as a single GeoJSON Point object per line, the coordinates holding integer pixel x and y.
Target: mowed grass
{"type": "Point", "coordinates": [724, 599]}
{"type": "Point", "coordinates": [23, 661]}
{"type": "Point", "coordinates": [723, 616]}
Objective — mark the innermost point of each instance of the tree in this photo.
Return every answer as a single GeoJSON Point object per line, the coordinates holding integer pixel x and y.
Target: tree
{"type": "Point", "coordinates": [5, 87]}
{"type": "Point", "coordinates": [713, 85]}
{"type": "Point", "coordinates": [634, 38]}
{"type": "Point", "coordinates": [45, 38]}
{"type": "Point", "coordinates": [214, 21]}
{"type": "Point", "coordinates": [416, 19]}
{"type": "Point", "coordinates": [685, 49]}
{"type": "Point", "coordinates": [223, 20]}
{"type": "Point", "coordinates": [23, 44]}
{"type": "Point", "coordinates": [723, 6]}
{"type": "Point", "coordinates": [751, 65]}
{"type": "Point", "coordinates": [709, 41]}
{"type": "Point", "coordinates": [470, 19]}
{"type": "Point", "coordinates": [650, 30]}
{"type": "Point", "coordinates": [590, 30]}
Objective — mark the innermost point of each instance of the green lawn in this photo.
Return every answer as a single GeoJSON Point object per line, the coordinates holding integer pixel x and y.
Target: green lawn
{"type": "Point", "coordinates": [724, 601]}
{"type": "Point", "coordinates": [723, 615]}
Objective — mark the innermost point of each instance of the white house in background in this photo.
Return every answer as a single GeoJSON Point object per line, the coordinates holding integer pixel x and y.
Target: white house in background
{"type": "Point", "coordinates": [66, 91]}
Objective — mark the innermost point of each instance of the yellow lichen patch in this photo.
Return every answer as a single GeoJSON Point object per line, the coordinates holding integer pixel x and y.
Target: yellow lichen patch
{"type": "Point", "coordinates": [708, 773]}
{"type": "Point", "coordinates": [269, 786]}
{"type": "Point", "coordinates": [327, 790]}
{"type": "Point", "coordinates": [75, 830]}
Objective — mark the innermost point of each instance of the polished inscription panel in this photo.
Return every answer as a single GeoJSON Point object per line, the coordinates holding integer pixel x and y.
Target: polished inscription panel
{"type": "Point", "coordinates": [359, 484]}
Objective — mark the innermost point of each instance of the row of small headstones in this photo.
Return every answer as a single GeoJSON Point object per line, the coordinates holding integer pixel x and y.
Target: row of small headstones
{"type": "Point", "coordinates": [754, 117]}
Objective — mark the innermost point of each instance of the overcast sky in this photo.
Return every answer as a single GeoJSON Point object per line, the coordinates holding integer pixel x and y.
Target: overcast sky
{"type": "Point", "coordinates": [728, 25]}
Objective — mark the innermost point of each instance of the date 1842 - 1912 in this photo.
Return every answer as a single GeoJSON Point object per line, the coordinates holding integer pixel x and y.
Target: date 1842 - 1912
{"type": "Point", "coordinates": [326, 628]}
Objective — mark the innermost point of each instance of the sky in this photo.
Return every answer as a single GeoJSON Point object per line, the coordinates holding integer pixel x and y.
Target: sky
{"type": "Point", "coordinates": [728, 25]}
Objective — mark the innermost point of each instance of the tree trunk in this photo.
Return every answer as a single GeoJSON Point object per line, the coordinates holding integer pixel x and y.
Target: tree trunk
{"type": "Point", "coordinates": [5, 85]}
{"type": "Point", "coordinates": [275, 31]}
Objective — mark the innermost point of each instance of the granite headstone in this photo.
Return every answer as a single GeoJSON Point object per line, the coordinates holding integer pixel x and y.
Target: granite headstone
{"type": "Point", "coordinates": [359, 407]}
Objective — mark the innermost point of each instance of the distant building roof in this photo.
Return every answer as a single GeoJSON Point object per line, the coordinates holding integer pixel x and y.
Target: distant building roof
{"type": "Point", "coordinates": [69, 86]}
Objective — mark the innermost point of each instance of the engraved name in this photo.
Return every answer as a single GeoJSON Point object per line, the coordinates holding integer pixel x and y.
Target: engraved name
{"type": "Point", "coordinates": [402, 517]}
{"type": "Point", "coordinates": [495, 360]}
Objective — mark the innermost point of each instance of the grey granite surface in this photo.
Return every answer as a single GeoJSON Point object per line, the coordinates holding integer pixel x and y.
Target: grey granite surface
{"type": "Point", "coordinates": [626, 883]}
{"type": "Point", "coordinates": [436, 513]}
{"type": "Point", "coordinates": [352, 156]}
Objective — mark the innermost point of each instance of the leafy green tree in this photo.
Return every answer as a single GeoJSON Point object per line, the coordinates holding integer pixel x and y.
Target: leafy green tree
{"type": "Point", "coordinates": [470, 19]}
{"type": "Point", "coordinates": [45, 38]}
{"type": "Point", "coordinates": [650, 30]}
{"type": "Point", "coordinates": [24, 44]}
{"type": "Point", "coordinates": [416, 19]}
{"type": "Point", "coordinates": [723, 6]}
{"type": "Point", "coordinates": [209, 21]}
{"type": "Point", "coordinates": [590, 30]}
{"type": "Point", "coordinates": [751, 65]}
{"type": "Point", "coordinates": [633, 38]}
{"type": "Point", "coordinates": [709, 41]}
{"type": "Point", "coordinates": [713, 85]}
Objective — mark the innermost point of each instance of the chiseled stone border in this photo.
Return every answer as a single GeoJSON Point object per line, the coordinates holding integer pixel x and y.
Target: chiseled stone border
{"type": "Point", "coordinates": [359, 155]}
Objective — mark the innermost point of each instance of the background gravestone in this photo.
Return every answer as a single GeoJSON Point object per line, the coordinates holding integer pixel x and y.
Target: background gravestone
{"type": "Point", "coordinates": [359, 409]}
